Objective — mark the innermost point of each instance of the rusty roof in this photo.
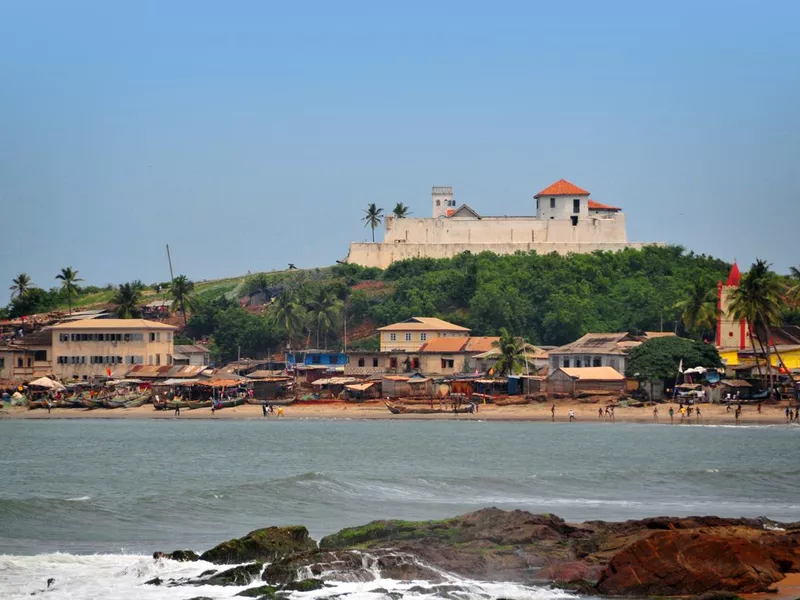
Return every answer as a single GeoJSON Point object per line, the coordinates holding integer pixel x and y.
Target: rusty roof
{"type": "Point", "coordinates": [562, 187]}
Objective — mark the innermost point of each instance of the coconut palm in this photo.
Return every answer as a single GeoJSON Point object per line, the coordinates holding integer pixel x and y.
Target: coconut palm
{"type": "Point", "coordinates": [698, 309]}
{"type": "Point", "coordinates": [69, 277]}
{"type": "Point", "coordinates": [21, 284]}
{"type": "Point", "coordinates": [512, 351]}
{"type": "Point", "coordinates": [182, 292]}
{"type": "Point", "coordinates": [324, 311]}
{"type": "Point", "coordinates": [794, 286]}
{"type": "Point", "coordinates": [401, 211]}
{"type": "Point", "coordinates": [759, 300]}
{"type": "Point", "coordinates": [128, 298]}
{"type": "Point", "coordinates": [372, 218]}
{"type": "Point", "coordinates": [287, 313]}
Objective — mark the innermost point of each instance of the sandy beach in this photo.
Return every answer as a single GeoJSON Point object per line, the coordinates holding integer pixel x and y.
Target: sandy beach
{"type": "Point", "coordinates": [710, 414]}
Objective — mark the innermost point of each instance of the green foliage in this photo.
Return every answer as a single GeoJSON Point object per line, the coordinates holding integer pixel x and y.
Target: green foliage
{"type": "Point", "coordinates": [660, 358]}
{"type": "Point", "coordinates": [237, 329]}
{"type": "Point", "coordinates": [548, 299]}
{"type": "Point", "coordinates": [21, 284]}
{"type": "Point", "coordinates": [69, 278]}
{"type": "Point", "coordinates": [370, 344]}
{"type": "Point", "coordinates": [206, 316]}
{"type": "Point", "coordinates": [351, 274]}
{"type": "Point", "coordinates": [181, 290]}
{"type": "Point", "coordinates": [127, 299]}
{"type": "Point", "coordinates": [182, 340]}
{"type": "Point", "coordinates": [511, 354]}
{"type": "Point", "coordinates": [372, 217]}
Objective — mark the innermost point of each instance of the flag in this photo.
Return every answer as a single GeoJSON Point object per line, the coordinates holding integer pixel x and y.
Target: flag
{"type": "Point", "coordinates": [108, 371]}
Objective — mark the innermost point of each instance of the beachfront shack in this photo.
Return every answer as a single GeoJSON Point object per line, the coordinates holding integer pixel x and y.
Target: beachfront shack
{"type": "Point", "coordinates": [585, 380]}
{"type": "Point", "coordinates": [400, 386]}
{"type": "Point", "coordinates": [332, 387]}
{"type": "Point", "coordinates": [272, 387]}
{"type": "Point", "coordinates": [366, 390]}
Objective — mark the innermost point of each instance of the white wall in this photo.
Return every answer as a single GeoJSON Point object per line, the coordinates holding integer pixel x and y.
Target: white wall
{"type": "Point", "coordinates": [563, 208]}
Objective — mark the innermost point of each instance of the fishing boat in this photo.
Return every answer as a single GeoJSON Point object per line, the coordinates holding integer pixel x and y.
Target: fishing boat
{"type": "Point", "coordinates": [37, 404]}
{"type": "Point", "coordinates": [200, 404]}
{"type": "Point", "coordinates": [230, 403]}
{"type": "Point", "coordinates": [275, 402]}
{"type": "Point", "coordinates": [138, 401]}
{"type": "Point", "coordinates": [399, 409]}
{"type": "Point", "coordinates": [109, 403]}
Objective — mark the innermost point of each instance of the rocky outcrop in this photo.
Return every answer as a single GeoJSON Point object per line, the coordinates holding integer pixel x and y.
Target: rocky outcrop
{"type": "Point", "coordinates": [659, 556]}
{"type": "Point", "coordinates": [261, 545]}
{"type": "Point", "coordinates": [179, 555]}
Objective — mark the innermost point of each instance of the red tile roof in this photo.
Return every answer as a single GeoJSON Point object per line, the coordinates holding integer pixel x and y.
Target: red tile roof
{"type": "Point", "coordinates": [562, 187]}
{"type": "Point", "coordinates": [734, 277]}
{"type": "Point", "coordinates": [598, 206]}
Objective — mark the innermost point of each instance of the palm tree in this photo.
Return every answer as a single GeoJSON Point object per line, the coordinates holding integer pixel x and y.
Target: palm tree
{"type": "Point", "coordinates": [287, 313]}
{"type": "Point", "coordinates": [182, 292]}
{"type": "Point", "coordinates": [69, 277]}
{"type": "Point", "coordinates": [698, 309]}
{"type": "Point", "coordinates": [21, 284]}
{"type": "Point", "coordinates": [373, 218]}
{"type": "Point", "coordinates": [401, 211]}
{"type": "Point", "coordinates": [759, 300]}
{"type": "Point", "coordinates": [324, 311]}
{"type": "Point", "coordinates": [511, 350]}
{"type": "Point", "coordinates": [128, 298]}
{"type": "Point", "coordinates": [794, 286]}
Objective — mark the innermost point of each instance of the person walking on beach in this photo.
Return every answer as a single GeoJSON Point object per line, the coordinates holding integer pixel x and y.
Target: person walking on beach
{"type": "Point", "coordinates": [736, 414]}
{"type": "Point", "coordinates": [177, 408]}
{"type": "Point", "coordinates": [671, 414]}
{"type": "Point", "coordinates": [571, 415]}
{"type": "Point", "coordinates": [280, 411]}
{"type": "Point", "coordinates": [759, 408]}
{"type": "Point", "coordinates": [553, 412]}
{"type": "Point", "coordinates": [600, 411]}
{"type": "Point", "coordinates": [655, 412]}
{"type": "Point", "coordinates": [264, 409]}
{"type": "Point", "coordinates": [788, 413]}
{"type": "Point", "coordinates": [697, 412]}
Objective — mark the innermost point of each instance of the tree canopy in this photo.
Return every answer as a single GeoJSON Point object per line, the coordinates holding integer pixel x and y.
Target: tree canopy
{"type": "Point", "coordinates": [659, 358]}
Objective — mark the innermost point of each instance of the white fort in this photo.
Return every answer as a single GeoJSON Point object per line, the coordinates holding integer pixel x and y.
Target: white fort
{"type": "Point", "coordinates": [566, 221]}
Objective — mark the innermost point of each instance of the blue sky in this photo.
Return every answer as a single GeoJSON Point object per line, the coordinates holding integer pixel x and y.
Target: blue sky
{"type": "Point", "coordinates": [252, 134]}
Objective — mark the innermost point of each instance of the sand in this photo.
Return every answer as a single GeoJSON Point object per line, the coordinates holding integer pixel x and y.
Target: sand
{"type": "Point", "coordinates": [710, 414]}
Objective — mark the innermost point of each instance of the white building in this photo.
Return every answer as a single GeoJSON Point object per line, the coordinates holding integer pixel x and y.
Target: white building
{"type": "Point", "coordinates": [566, 221]}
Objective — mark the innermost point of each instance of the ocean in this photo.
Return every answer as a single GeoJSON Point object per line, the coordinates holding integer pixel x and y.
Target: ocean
{"type": "Point", "coordinates": [88, 502]}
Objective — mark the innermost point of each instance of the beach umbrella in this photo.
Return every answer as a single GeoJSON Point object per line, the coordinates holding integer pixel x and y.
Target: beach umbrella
{"type": "Point", "coordinates": [46, 382]}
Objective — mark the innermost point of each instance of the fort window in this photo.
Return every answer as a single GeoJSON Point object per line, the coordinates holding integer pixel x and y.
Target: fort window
{"type": "Point", "coordinates": [552, 202]}
{"type": "Point", "coordinates": [576, 206]}
{"type": "Point", "coordinates": [574, 220]}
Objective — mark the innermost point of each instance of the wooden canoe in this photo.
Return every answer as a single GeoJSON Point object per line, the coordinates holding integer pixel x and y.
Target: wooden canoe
{"type": "Point", "coordinates": [399, 409]}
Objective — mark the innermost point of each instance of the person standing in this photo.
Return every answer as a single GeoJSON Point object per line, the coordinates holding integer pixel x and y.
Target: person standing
{"type": "Point", "coordinates": [671, 415]}
{"type": "Point", "coordinates": [655, 412]}
{"type": "Point", "coordinates": [600, 412]}
{"type": "Point", "coordinates": [553, 412]}
{"type": "Point", "coordinates": [571, 415]}
{"type": "Point", "coordinates": [264, 409]}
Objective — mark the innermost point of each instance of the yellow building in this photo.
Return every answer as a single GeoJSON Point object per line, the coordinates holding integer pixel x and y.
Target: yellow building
{"type": "Point", "coordinates": [91, 348]}
{"type": "Point", "coordinates": [412, 333]}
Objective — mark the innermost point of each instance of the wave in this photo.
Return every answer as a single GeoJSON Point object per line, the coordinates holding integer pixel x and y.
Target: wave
{"type": "Point", "coordinates": [122, 576]}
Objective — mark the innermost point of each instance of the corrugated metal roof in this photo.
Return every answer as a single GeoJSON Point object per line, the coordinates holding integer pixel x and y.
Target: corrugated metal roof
{"type": "Point", "coordinates": [113, 324]}
{"type": "Point", "coordinates": [423, 324]}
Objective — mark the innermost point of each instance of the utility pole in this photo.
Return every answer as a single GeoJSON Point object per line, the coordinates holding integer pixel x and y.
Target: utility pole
{"type": "Point", "coordinates": [169, 258]}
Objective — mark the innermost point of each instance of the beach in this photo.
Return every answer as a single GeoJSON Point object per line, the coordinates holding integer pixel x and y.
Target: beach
{"type": "Point", "coordinates": [711, 414]}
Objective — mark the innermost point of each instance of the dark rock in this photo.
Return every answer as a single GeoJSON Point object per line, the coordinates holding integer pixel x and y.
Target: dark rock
{"type": "Point", "coordinates": [207, 573]}
{"type": "Point", "coordinates": [306, 585]}
{"type": "Point", "coordinates": [242, 575]}
{"type": "Point", "coordinates": [183, 555]}
{"type": "Point", "coordinates": [262, 591]}
{"type": "Point", "coordinates": [154, 581]}
{"type": "Point", "coordinates": [261, 545]}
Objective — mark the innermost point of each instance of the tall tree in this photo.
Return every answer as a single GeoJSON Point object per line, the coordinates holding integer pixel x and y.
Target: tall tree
{"type": "Point", "coordinates": [401, 211]}
{"type": "Point", "coordinates": [128, 298]}
{"type": "Point", "coordinates": [324, 311]}
{"type": "Point", "coordinates": [511, 350]}
{"type": "Point", "coordinates": [182, 292]}
{"type": "Point", "coordinates": [287, 313]}
{"type": "Point", "coordinates": [759, 300]}
{"type": "Point", "coordinates": [698, 308]}
{"type": "Point", "coordinates": [373, 217]}
{"type": "Point", "coordinates": [20, 285]}
{"type": "Point", "coordinates": [794, 286]}
{"type": "Point", "coordinates": [69, 277]}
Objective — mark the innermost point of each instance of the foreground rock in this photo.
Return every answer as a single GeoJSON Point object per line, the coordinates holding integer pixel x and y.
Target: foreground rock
{"type": "Point", "coordinates": [261, 545]}
{"type": "Point", "coordinates": [179, 555]}
{"type": "Point", "coordinates": [660, 556]}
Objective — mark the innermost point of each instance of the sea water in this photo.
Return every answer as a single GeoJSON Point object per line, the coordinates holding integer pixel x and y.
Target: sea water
{"type": "Point", "coordinates": [87, 502]}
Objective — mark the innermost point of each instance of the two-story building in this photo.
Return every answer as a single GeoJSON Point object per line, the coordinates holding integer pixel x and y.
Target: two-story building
{"type": "Point", "coordinates": [411, 334]}
{"type": "Point", "coordinates": [599, 350]}
{"type": "Point", "coordinates": [27, 356]}
{"type": "Point", "coordinates": [92, 348]}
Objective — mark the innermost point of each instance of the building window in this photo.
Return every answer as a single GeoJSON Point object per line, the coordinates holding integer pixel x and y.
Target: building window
{"type": "Point", "coordinates": [597, 361]}
{"type": "Point", "coordinates": [537, 204]}
{"type": "Point", "coordinates": [423, 337]}
{"type": "Point", "coordinates": [40, 355]}
{"type": "Point", "coordinates": [438, 203]}
{"type": "Point", "coordinates": [316, 360]}
{"type": "Point", "coordinates": [552, 202]}
{"type": "Point", "coordinates": [415, 363]}
{"type": "Point", "coordinates": [2, 363]}
{"type": "Point", "coordinates": [447, 363]}
{"type": "Point", "coordinates": [63, 337]}
{"type": "Point", "coordinates": [574, 220]}
{"type": "Point", "coordinates": [566, 363]}
{"type": "Point", "coordinates": [19, 363]}
{"type": "Point", "coordinates": [577, 363]}
{"type": "Point", "coordinates": [375, 361]}
{"type": "Point", "coordinates": [152, 337]}
{"type": "Point", "coordinates": [576, 205]}
{"type": "Point", "coordinates": [393, 362]}
{"type": "Point", "coordinates": [408, 337]}
{"type": "Point", "coordinates": [169, 359]}
{"type": "Point", "coordinates": [360, 362]}
{"type": "Point", "coordinates": [613, 363]}
{"type": "Point", "coordinates": [392, 337]}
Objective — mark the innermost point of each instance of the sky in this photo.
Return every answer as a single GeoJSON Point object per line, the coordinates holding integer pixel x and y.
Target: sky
{"type": "Point", "coordinates": [251, 134]}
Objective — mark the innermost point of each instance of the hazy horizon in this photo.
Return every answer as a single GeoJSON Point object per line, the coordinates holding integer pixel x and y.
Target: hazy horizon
{"type": "Point", "coordinates": [252, 135]}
